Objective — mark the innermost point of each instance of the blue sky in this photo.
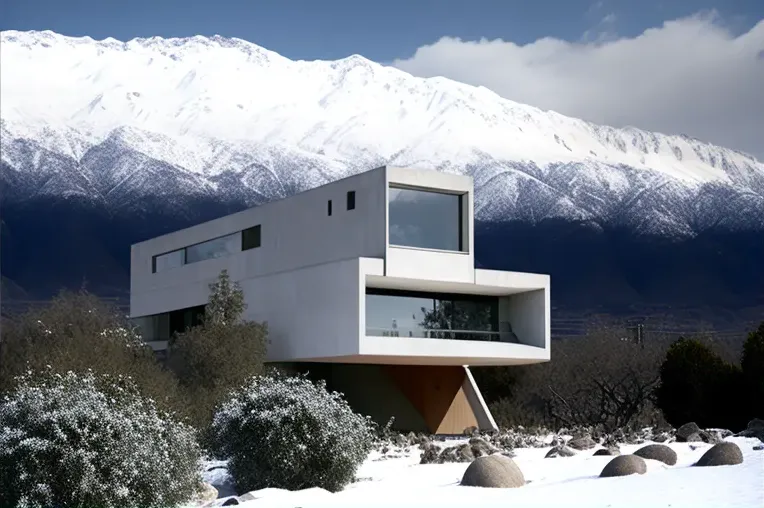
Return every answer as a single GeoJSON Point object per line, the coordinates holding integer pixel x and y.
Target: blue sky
{"type": "Point", "coordinates": [379, 30]}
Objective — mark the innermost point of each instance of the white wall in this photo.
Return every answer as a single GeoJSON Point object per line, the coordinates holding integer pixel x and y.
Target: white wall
{"type": "Point", "coordinates": [296, 232]}
{"type": "Point", "coordinates": [429, 264]}
{"type": "Point", "coordinates": [528, 314]}
{"type": "Point", "coordinates": [311, 313]}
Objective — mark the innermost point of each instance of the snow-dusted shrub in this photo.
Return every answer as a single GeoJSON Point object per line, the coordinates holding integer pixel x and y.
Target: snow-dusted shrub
{"type": "Point", "coordinates": [287, 432]}
{"type": "Point", "coordinates": [82, 440]}
{"type": "Point", "coordinates": [78, 331]}
{"type": "Point", "coordinates": [219, 355]}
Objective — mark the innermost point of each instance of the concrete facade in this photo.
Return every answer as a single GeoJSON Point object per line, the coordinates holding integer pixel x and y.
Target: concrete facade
{"type": "Point", "coordinates": [316, 262]}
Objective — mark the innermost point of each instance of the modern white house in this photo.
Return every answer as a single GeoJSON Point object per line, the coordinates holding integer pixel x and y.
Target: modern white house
{"type": "Point", "coordinates": [368, 282]}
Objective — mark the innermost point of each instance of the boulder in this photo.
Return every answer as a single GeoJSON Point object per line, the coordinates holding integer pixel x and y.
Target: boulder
{"type": "Point", "coordinates": [231, 501]}
{"type": "Point", "coordinates": [471, 431]}
{"type": "Point", "coordinates": [722, 454]}
{"type": "Point", "coordinates": [688, 432]}
{"type": "Point", "coordinates": [481, 447]}
{"type": "Point", "coordinates": [755, 428]}
{"type": "Point", "coordinates": [461, 453]}
{"type": "Point", "coordinates": [493, 471]}
{"type": "Point", "coordinates": [584, 442]}
{"type": "Point", "coordinates": [609, 451]}
{"type": "Point", "coordinates": [662, 437]}
{"type": "Point", "coordinates": [207, 494]}
{"type": "Point", "coordinates": [560, 451]}
{"type": "Point", "coordinates": [658, 452]}
{"type": "Point", "coordinates": [430, 455]}
{"type": "Point", "coordinates": [624, 465]}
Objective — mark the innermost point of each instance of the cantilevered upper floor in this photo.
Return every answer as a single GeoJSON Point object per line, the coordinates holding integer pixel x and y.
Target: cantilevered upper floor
{"type": "Point", "coordinates": [418, 221]}
{"type": "Point", "coordinates": [374, 268]}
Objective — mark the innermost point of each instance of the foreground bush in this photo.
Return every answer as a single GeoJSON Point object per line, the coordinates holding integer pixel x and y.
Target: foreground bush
{"type": "Point", "coordinates": [696, 385]}
{"type": "Point", "coordinates": [88, 441]}
{"type": "Point", "coordinates": [752, 363]}
{"type": "Point", "coordinates": [286, 432]}
{"type": "Point", "coordinates": [220, 355]}
{"type": "Point", "coordinates": [77, 331]}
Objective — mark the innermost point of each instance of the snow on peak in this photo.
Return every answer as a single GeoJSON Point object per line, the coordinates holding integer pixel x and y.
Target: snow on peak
{"type": "Point", "coordinates": [230, 89]}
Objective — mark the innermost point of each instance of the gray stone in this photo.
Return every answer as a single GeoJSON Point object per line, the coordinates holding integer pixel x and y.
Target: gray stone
{"type": "Point", "coordinates": [755, 428]}
{"type": "Point", "coordinates": [430, 454]}
{"type": "Point", "coordinates": [208, 493]}
{"type": "Point", "coordinates": [624, 465]}
{"type": "Point", "coordinates": [658, 452]}
{"type": "Point", "coordinates": [582, 443]}
{"type": "Point", "coordinates": [493, 471]}
{"type": "Point", "coordinates": [609, 451]}
{"type": "Point", "coordinates": [471, 431]}
{"type": "Point", "coordinates": [560, 451]}
{"type": "Point", "coordinates": [464, 453]}
{"type": "Point", "coordinates": [481, 447]}
{"type": "Point", "coordinates": [688, 432]}
{"type": "Point", "coordinates": [722, 454]}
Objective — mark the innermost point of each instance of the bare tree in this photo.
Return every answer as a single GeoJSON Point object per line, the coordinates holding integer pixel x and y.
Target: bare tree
{"type": "Point", "coordinates": [605, 378]}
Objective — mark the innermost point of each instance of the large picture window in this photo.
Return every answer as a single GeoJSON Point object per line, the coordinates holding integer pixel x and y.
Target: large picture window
{"type": "Point", "coordinates": [395, 313]}
{"type": "Point", "coordinates": [425, 219]}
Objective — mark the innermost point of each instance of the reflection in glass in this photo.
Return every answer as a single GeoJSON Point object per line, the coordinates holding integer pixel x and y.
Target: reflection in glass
{"type": "Point", "coordinates": [211, 249]}
{"type": "Point", "coordinates": [172, 259]}
{"type": "Point", "coordinates": [392, 313]}
{"type": "Point", "coordinates": [425, 219]}
{"type": "Point", "coordinates": [159, 327]}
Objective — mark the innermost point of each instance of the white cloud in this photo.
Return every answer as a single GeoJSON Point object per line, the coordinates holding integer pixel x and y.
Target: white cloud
{"type": "Point", "coordinates": [690, 76]}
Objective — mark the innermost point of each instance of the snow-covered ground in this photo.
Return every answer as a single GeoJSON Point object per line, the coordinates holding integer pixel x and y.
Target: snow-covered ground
{"type": "Point", "coordinates": [573, 481]}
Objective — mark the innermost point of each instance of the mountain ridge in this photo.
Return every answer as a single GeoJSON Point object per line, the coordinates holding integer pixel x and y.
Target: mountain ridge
{"type": "Point", "coordinates": [173, 131]}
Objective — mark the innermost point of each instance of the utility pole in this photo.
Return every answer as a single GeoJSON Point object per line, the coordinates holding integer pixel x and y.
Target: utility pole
{"type": "Point", "coordinates": [639, 334]}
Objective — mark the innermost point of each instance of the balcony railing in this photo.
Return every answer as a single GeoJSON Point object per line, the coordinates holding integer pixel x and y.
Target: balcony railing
{"type": "Point", "coordinates": [479, 335]}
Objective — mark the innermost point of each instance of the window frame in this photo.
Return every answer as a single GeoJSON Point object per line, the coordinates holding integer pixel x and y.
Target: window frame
{"type": "Point", "coordinates": [462, 246]}
{"type": "Point", "coordinates": [350, 200]}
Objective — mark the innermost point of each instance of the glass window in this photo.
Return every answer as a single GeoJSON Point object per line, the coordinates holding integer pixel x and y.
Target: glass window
{"type": "Point", "coordinates": [351, 200]}
{"type": "Point", "coordinates": [250, 238]}
{"type": "Point", "coordinates": [153, 328]}
{"type": "Point", "coordinates": [329, 208]}
{"type": "Point", "coordinates": [211, 249]}
{"type": "Point", "coordinates": [397, 316]}
{"type": "Point", "coordinates": [393, 313]}
{"type": "Point", "coordinates": [167, 261]}
{"type": "Point", "coordinates": [425, 219]}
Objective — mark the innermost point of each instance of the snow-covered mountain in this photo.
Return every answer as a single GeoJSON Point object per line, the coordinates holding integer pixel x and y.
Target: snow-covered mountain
{"type": "Point", "coordinates": [220, 118]}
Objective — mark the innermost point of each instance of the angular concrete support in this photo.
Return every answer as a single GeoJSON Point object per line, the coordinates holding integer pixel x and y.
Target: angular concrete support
{"type": "Point", "coordinates": [482, 414]}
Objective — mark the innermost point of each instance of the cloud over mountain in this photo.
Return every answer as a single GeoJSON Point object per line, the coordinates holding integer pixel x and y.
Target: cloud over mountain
{"type": "Point", "coordinates": [690, 76]}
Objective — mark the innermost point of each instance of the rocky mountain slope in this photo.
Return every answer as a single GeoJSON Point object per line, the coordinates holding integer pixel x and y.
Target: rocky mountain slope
{"type": "Point", "coordinates": [159, 133]}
